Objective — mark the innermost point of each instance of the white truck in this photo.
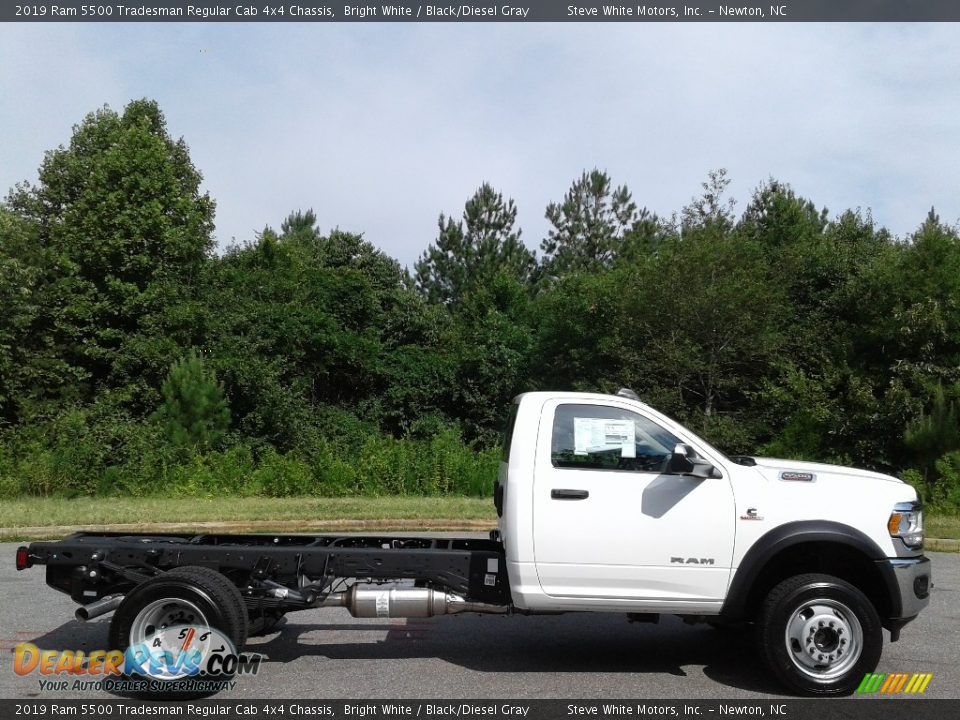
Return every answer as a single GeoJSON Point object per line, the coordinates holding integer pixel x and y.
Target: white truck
{"type": "Point", "coordinates": [604, 505]}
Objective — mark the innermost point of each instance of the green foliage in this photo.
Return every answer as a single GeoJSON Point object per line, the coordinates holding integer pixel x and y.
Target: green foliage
{"type": "Point", "coordinates": [707, 319]}
{"type": "Point", "coordinates": [802, 404]}
{"type": "Point", "coordinates": [584, 337]}
{"type": "Point", "coordinates": [194, 413]}
{"type": "Point", "coordinates": [588, 227]}
{"type": "Point", "coordinates": [126, 233]}
{"type": "Point", "coordinates": [711, 209]}
{"type": "Point", "coordinates": [932, 435]}
{"type": "Point", "coordinates": [491, 343]}
{"type": "Point", "coordinates": [307, 324]}
{"type": "Point", "coordinates": [96, 449]}
{"type": "Point", "coordinates": [945, 490]}
{"type": "Point", "coordinates": [472, 252]}
{"type": "Point", "coordinates": [35, 370]}
{"type": "Point", "coordinates": [17, 298]}
{"type": "Point", "coordinates": [131, 459]}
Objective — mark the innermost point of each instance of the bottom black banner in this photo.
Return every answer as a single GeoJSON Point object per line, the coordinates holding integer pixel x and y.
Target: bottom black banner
{"type": "Point", "coordinates": [848, 709]}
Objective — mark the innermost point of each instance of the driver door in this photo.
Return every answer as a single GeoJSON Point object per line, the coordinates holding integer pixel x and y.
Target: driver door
{"type": "Point", "coordinates": [611, 522]}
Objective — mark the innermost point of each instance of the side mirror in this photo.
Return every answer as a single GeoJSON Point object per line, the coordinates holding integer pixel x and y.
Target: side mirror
{"type": "Point", "coordinates": [685, 461]}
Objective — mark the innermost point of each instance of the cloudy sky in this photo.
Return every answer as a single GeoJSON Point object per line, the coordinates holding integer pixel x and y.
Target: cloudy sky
{"type": "Point", "coordinates": [381, 127]}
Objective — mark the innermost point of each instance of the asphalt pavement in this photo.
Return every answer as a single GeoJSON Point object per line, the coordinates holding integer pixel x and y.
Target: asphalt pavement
{"type": "Point", "coordinates": [326, 653]}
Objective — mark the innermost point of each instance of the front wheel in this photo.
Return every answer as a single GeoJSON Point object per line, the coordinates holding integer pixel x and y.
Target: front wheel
{"type": "Point", "coordinates": [819, 635]}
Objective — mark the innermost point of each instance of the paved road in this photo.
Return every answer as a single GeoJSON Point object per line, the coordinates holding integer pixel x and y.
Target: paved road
{"type": "Point", "coordinates": [329, 654]}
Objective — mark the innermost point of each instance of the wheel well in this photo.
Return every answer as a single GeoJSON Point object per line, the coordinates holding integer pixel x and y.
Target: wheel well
{"type": "Point", "coordinates": [842, 561]}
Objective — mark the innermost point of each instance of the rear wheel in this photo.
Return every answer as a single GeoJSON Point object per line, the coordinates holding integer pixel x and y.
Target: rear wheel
{"type": "Point", "coordinates": [819, 635]}
{"type": "Point", "coordinates": [172, 614]}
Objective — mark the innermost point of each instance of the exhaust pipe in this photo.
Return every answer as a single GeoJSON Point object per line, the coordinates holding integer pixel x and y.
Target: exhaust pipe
{"type": "Point", "coordinates": [374, 601]}
{"type": "Point", "coordinates": [98, 608]}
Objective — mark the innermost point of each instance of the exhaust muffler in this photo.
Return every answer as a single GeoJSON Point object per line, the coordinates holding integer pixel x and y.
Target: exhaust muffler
{"type": "Point", "coordinates": [375, 601]}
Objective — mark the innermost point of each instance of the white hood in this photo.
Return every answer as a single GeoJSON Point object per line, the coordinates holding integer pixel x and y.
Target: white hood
{"type": "Point", "coordinates": [774, 466]}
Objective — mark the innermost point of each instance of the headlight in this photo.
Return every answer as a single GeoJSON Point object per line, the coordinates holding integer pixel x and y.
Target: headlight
{"type": "Point", "coordinates": [906, 523]}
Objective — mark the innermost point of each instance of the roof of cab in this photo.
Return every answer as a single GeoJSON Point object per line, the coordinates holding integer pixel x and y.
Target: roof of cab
{"type": "Point", "coordinates": [543, 395]}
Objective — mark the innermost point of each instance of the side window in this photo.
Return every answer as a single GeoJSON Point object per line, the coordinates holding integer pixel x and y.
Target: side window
{"type": "Point", "coordinates": [607, 438]}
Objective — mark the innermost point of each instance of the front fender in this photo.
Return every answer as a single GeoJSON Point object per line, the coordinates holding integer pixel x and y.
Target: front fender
{"type": "Point", "coordinates": [741, 594]}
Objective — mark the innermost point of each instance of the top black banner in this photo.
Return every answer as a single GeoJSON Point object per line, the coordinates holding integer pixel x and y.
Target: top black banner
{"type": "Point", "coordinates": [517, 11]}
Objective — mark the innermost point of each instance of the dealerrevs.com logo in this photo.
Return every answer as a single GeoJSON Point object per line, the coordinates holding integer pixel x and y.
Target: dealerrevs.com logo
{"type": "Point", "coordinates": [182, 651]}
{"type": "Point", "coordinates": [176, 659]}
{"type": "Point", "coordinates": [895, 683]}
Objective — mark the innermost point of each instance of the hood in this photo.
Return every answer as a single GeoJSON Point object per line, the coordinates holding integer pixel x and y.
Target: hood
{"type": "Point", "coordinates": [772, 467]}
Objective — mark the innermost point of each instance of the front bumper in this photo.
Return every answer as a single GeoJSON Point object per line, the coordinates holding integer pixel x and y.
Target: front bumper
{"type": "Point", "coordinates": [914, 579]}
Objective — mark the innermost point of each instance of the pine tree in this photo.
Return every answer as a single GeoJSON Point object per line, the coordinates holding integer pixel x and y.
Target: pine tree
{"type": "Point", "coordinates": [588, 226]}
{"type": "Point", "coordinates": [194, 413]}
{"type": "Point", "coordinates": [474, 250]}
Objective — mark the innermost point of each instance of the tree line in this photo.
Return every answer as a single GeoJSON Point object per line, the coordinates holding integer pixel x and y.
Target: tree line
{"type": "Point", "coordinates": [136, 359]}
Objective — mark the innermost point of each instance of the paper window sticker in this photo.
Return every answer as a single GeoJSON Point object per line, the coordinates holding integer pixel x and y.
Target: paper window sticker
{"type": "Point", "coordinates": [581, 435]}
{"type": "Point", "coordinates": [622, 433]}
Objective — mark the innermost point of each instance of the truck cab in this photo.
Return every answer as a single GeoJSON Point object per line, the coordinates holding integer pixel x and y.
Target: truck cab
{"type": "Point", "coordinates": [605, 504]}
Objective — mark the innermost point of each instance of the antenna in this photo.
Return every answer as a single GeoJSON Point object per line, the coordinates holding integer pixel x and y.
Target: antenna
{"type": "Point", "coordinates": [628, 393]}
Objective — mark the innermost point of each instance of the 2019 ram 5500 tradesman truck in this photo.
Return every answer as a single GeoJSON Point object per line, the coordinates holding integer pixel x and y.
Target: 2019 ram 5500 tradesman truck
{"type": "Point", "coordinates": [605, 505]}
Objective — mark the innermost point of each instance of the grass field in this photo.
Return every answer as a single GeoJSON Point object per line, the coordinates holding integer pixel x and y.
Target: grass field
{"type": "Point", "coordinates": [25, 518]}
{"type": "Point", "coordinates": [20, 519]}
{"type": "Point", "coordinates": [942, 525]}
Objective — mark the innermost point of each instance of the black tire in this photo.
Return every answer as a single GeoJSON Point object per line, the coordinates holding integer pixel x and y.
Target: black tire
{"type": "Point", "coordinates": [819, 635]}
{"type": "Point", "coordinates": [217, 600]}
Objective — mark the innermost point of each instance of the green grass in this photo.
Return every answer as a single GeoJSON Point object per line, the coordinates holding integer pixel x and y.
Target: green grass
{"type": "Point", "coordinates": [44, 512]}
{"type": "Point", "coordinates": [945, 526]}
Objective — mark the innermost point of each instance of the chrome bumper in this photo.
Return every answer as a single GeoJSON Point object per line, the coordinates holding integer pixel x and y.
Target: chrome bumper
{"type": "Point", "coordinates": [915, 581]}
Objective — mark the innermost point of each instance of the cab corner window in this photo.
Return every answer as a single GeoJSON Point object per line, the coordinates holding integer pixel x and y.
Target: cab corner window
{"type": "Point", "coordinates": [607, 438]}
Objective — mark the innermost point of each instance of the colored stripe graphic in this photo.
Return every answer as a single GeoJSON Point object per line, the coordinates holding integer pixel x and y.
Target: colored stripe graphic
{"type": "Point", "coordinates": [894, 683]}
{"type": "Point", "coordinates": [871, 682]}
{"type": "Point", "coordinates": [898, 684]}
{"type": "Point", "coordinates": [903, 681]}
{"type": "Point", "coordinates": [890, 682]}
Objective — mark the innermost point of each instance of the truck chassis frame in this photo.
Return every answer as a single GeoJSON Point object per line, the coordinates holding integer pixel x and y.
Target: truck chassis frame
{"type": "Point", "coordinates": [272, 572]}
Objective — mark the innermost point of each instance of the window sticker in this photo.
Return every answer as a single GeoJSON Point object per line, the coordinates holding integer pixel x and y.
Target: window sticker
{"type": "Point", "coordinates": [594, 435]}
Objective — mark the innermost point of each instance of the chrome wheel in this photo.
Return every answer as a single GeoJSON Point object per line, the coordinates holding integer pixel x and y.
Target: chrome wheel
{"type": "Point", "coordinates": [824, 639]}
{"type": "Point", "coordinates": [168, 625]}
{"type": "Point", "coordinates": [161, 614]}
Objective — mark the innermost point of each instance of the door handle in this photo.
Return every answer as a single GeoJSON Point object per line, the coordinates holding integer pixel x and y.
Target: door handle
{"type": "Point", "coordinates": [564, 494]}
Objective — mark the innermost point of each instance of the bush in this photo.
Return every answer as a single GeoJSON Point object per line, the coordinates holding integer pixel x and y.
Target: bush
{"type": "Point", "coordinates": [440, 465]}
{"type": "Point", "coordinates": [282, 476]}
{"type": "Point", "coordinates": [10, 484]}
{"type": "Point", "coordinates": [228, 472]}
{"type": "Point", "coordinates": [66, 455]}
{"type": "Point", "coordinates": [941, 490]}
{"type": "Point", "coordinates": [945, 492]}
{"type": "Point", "coordinates": [92, 452]}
